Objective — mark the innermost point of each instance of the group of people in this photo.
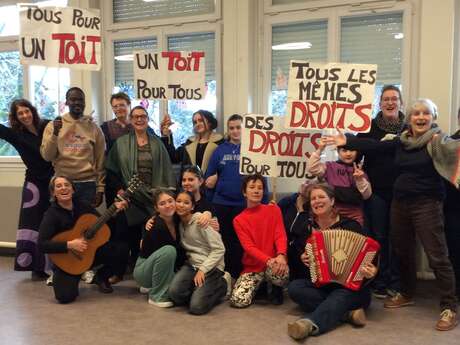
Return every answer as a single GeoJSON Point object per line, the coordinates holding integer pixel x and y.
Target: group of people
{"type": "Point", "coordinates": [219, 236]}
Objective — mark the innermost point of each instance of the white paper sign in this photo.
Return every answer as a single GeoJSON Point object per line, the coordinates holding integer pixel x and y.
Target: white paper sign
{"type": "Point", "coordinates": [270, 149]}
{"type": "Point", "coordinates": [326, 96]}
{"type": "Point", "coordinates": [60, 37]}
{"type": "Point", "coordinates": [169, 75]}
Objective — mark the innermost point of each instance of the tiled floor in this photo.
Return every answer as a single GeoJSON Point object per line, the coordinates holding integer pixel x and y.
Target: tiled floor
{"type": "Point", "coordinates": [30, 316]}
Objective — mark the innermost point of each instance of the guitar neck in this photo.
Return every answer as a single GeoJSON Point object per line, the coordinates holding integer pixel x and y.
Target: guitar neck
{"type": "Point", "coordinates": [106, 215]}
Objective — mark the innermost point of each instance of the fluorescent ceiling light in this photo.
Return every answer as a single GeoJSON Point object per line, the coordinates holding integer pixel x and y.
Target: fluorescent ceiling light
{"type": "Point", "coordinates": [399, 36]}
{"type": "Point", "coordinates": [127, 57]}
{"type": "Point", "coordinates": [150, 0]}
{"type": "Point", "coordinates": [292, 46]}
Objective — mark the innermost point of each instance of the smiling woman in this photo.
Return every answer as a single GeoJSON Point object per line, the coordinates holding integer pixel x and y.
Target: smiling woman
{"type": "Point", "coordinates": [423, 157]}
{"type": "Point", "coordinates": [143, 153]}
{"type": "Point", "coordinates": [25, 135]}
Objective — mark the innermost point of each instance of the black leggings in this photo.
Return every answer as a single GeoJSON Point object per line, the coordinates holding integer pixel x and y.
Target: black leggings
{"type": "Point", "coordinates": [112, 255]}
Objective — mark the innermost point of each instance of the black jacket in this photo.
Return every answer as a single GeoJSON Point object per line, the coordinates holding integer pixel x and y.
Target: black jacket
{"type": "Point", "coordinates": [58, 219]}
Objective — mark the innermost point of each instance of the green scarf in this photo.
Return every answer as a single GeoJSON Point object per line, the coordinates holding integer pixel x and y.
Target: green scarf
{"type": "Point", "coordinates": [122, 161]}
{"type": "Point", "coordinates": [444, 151]}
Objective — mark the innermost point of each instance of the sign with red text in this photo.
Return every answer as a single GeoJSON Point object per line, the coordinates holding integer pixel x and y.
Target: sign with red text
{"type": "Point", "coordinates": [60, 37]}
{"type": "Point", "coordinates": [330, 95]}
{"type": "Point", "coordinates": [169, 75]}
{"type": "Point", "coordinates": [270, 149]}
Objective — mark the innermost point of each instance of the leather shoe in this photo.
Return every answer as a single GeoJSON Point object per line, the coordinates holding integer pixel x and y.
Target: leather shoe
{"type": "Point", "coordinates": [104, 286]}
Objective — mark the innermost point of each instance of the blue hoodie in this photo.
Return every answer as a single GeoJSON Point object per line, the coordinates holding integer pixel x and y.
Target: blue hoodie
{"type": "Point", "coordinates": [225, 161]}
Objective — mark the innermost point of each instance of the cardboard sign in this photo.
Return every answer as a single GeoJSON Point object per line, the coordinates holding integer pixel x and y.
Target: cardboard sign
{"type": "Point", "coordinates": [272, 150]}
{"type": "Point", "coordinates": [60, 37]}
{"type": "Point", "coordinates": [169, 75]}
{"type": "Point", "coordinates": [326, 96]}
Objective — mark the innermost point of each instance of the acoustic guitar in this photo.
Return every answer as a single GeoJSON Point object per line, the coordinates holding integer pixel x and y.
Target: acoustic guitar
{"type": "Point", "coordinates": [94, 230]}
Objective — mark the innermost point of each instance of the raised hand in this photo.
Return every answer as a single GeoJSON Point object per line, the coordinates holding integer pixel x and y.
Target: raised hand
{"type": "Point", "coordinates": [358, 172]}
{"type": "Point", "coordinates": [57, 125]}
{"type": "Point", "coordinates": [165, 125]}
{"type": "Point", "coordinates": [339, 139]}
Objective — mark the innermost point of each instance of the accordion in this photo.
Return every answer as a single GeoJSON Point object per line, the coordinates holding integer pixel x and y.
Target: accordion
{"type": "Point", "coordinates": [336, 256]}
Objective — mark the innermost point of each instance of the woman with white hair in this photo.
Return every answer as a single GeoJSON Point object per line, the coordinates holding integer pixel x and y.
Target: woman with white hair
{"type": "Point", "coordinates": [423, 157]}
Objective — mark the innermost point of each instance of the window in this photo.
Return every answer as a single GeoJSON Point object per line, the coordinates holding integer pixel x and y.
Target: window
{"type": "Point", "coordinates": [375, 39]}
{"type": "Point", "coordinates": [46, 86]}
{"type": "Point", "coordinates": [335, 33]}
{"type": "Point", "coordinates": [140, 10]}
{"type": "Point", "coordinates": [11, 87]}
{"type": "Point", "coordinates": [303, 41]}
{"type": "Point", "coordinates": [124, 75]}
{"type": "Point", "coordinates": [181, 111]}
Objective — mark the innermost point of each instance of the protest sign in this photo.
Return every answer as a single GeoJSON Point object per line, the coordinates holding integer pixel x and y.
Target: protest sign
{"type": "Point", "coordinates": [271, 150]}
{"type": "Point", "coordinates": [330, 95]}
{"type": "Point", "coordinates": [169, 75]}
{"type": "Point", "coordinates": [60, 37]}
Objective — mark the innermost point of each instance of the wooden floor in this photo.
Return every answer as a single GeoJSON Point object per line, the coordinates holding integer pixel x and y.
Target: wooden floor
{"type": "Point", "coordinates": [30, 316]}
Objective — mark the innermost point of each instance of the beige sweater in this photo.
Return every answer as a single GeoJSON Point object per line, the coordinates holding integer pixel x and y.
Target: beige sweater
{"type": "Point", "coordinates": [78, 151]}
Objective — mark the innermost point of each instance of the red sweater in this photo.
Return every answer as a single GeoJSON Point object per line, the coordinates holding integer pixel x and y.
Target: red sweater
{"type": "Point", "coordinates": [262, 236]}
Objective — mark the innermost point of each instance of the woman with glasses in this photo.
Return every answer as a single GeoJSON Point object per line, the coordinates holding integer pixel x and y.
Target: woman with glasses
{"type": "Point", "coordinates": [142, 153]}
{"type": "Point", "coordinates": [380, 170]}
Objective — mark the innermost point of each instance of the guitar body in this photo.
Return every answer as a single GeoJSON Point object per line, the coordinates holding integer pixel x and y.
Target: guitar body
{"type": "Point", "coordinates": [73, 262]}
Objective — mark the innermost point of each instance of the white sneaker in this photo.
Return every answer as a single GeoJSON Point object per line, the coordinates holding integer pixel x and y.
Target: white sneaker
{"type": "Point", "coordinates": [144, 290]}
{"type": "Point", "coordinates": [228, 279]}
{"type": "Point", "coordinates": [88, 277]}
{"type": "Point", "coordinates": [165, 304]}
{"type": "Point", "coordinates": [49, 281]}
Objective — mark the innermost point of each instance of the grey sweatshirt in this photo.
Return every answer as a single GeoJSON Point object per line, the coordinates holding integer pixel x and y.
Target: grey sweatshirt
{"type": "Point", "coordinates": [203, 245]}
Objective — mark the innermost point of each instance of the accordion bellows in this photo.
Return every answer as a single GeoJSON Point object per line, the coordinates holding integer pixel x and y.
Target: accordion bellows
{"type": "Point", "coordinates": [336, 256]}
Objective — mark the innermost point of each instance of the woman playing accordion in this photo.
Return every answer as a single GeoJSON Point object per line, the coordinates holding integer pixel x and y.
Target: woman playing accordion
{"type": "Point", "coordinates": [330, 304]}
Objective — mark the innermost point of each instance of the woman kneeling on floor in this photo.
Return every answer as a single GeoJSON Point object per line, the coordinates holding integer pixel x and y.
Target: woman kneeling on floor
{"type": "Point", "coordinates": [260, 230]}
{"type": "Point", "coordinates": [63, 215]}
{"type": "Point", "coordinates": [160, 251]}
{"type": "Point", "coordinates": [201, 282]}
{"type": "Point", "coordinates": [328, 305]}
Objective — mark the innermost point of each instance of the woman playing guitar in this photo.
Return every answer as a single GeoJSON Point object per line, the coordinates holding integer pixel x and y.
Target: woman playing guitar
{"type": "Point", "coordinates": [62, 216]}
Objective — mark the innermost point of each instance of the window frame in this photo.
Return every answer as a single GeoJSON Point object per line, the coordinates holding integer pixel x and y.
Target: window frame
{"type": "Point", "coordinates": [333, 16]}
{"type": "Point", "coordinates": [162, 34]}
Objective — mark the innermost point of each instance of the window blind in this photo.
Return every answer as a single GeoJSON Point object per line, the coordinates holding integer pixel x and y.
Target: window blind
{"type": "Point", "coordinates": [313, 32]}
{"type": "Point", "coordinates": [375, 39]}
{"type": "Point", "coordinates": [197, 42]}
{"type": "Point", "coordinates": [123, 64]}
{"type": "Point", "coordinates": [139, 10]}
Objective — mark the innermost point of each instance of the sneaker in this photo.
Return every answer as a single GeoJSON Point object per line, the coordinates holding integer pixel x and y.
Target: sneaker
{"type": "Point", "coordinates": [398, 301]}
{"type": "Point", "coordinates": [357, 317]}
{"type": "Point", "coordinates": [144, 290]}
{"type": "Point", "coordinates": [447, 321]}
{"type": "Point", "coordinates": [380, 293]}
{"type": "Point", "coordinates": [88, 277]}
{"type": "Point", "coordinates": [228, 279]}
{"type": "Point", "coordinates": [164, 304]}
{"type": "Point", "coordinates": [391, 292]}
{"type": "Point", "coordinates": [300, 329]}
{"type": "Point", "coordinates": [49, 281]}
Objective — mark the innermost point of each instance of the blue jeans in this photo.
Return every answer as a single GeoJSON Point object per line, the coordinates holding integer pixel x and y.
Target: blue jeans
{"type": "Point", "coordinates": [327, 306]}
{"type": "Point", "coordinates": [85, 191]}
{"type": "Point", "coordinates": [377, 224]}
{"type": "Point", "coordinates": [201, 299]}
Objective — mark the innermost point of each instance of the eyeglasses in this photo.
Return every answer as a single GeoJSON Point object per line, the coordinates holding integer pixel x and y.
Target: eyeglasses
{"type": "Point", "coordinates": [390, 99]}
{"type": "Point", "coordinates": [139, 117]}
